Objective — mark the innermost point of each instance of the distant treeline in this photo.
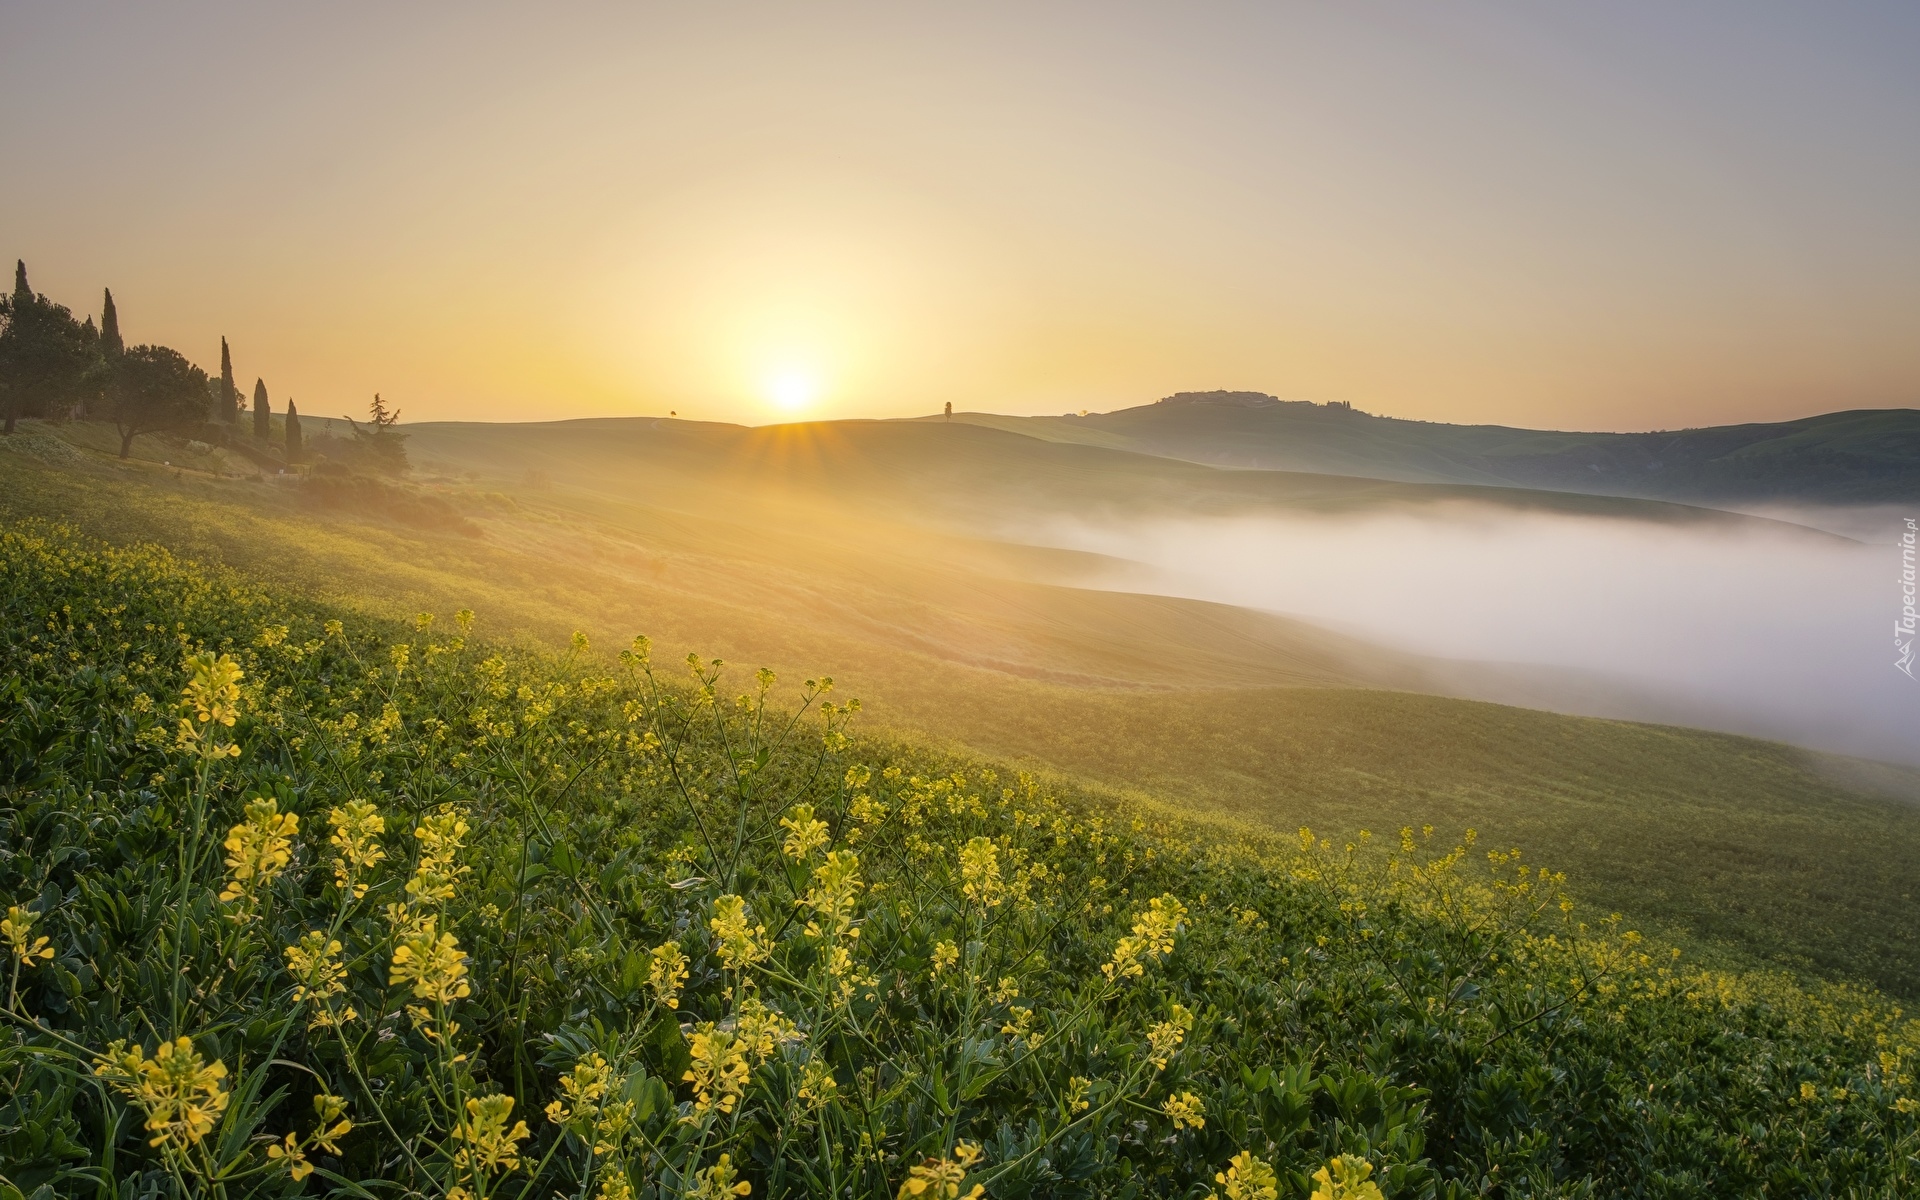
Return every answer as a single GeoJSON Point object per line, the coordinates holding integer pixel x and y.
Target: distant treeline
{"type": "Point", "coordinates": [55, 366]}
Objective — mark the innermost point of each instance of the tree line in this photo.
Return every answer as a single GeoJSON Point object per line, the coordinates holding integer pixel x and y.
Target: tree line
{"type": "Point", "coordinates": [55, 366]}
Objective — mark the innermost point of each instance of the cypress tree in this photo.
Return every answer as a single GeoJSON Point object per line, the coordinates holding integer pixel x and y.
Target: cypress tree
{"type": "Point", "coordinates": [262, 411]}
{"type": "Point", "coordinates": [20, 289]}
{"type": "Point", "coordinates": [229, 395]}
{"type": "Point", "coordinates": [110, 343]}
{"type": "Point", "coordinates": [293, 434]}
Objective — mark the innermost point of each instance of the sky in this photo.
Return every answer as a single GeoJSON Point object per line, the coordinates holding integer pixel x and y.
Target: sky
{"type": "Point", "coordinates": [1627, 215]}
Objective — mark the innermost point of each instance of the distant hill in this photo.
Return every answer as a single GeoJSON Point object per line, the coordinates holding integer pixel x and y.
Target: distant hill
{"type": "Point", "coordinates": [1865, 456]}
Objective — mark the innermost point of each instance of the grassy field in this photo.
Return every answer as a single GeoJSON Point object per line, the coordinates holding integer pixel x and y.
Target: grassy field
{"type": "Point", "coordinates": [301, 900]}
{"type": "Point", "coordinates": [1732, 845]}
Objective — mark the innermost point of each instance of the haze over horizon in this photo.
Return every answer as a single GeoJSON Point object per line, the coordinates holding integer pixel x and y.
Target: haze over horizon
{"type": "Point", "coordinates": [1629, 218]}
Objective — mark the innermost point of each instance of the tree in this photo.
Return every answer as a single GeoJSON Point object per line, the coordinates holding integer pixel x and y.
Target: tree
{"type": "Point", "coordinates": [155, 388]}
{"type": "Point", "coordinates": [262, 411]}
{"type": "Point", "coordinates": [376, 443]}
{"type": "Point", "coordinates": [46, 357]}
{"type": "Point", "coordinates": [229, 409]}
{"type": "Point", "coordinates": [110, 343]}
{"type": "Point", "coordinates": [293, 433]}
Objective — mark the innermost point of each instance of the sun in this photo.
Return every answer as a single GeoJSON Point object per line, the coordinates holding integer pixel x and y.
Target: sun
{"type": "Point", "coordinates": [791, 389]}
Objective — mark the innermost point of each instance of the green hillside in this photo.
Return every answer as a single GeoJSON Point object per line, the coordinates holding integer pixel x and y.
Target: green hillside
{"type": "Point", "coordinates": [1858, 457]}
{"type": "Point", "coordinates": [1738, 847]}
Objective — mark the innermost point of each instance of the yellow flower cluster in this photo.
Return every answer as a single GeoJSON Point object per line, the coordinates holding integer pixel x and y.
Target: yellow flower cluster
{"type": "Point", "coordinates": [1247, 1177]}
{"type": "Point", "coordinates": [487, 1143]}
{"type": "Point", "coordinates": [980, 878]}
{"type": "Point", "coordinates": [258, 850]}
{"type": "Point", "coordinates": [1164, 1039]}
{"type": "Point", "coordinates": [945, 954]}
{"type": "Point", "coordinates": [357, 827]}
{"type": "Point", "coordinates": [330, 1110]}
{"type": "Point", "coordinates": [182, 1094]}
{"type": "Point", "coordinates": [432, 963]}
{"type": "Point", "coordinates": [666, 972]}
{"type": "Point", "coordinates": [212, 698]}
{"type": "Point", "coordinates": [440, 836]}
{"type": "Point", "coordinates": [17, 929]}
{"type": "Point", "coordinates": [723, 1058]}
{"type": "Point", "coordinates": [319, 975]}
{"type": "Point", "coordinates": [584, 1107]}
{"type": "Point", "coordinates": [942, 1178]}
{"type": "Point", "coordinates": [805, 833]}
{"type": "Point", "coordinates": [1152, 937]}
{"type": "Point", "coordinates": [1345, 1178]}
{"type": "Point", "coordinates": [717, 1182]}
{"type": "Point", "coordinates": [738, 940]}
{"type": "Point", "coordinates": [1185, 1111]}
{"type": "Point", "coordinates": [836, 888]}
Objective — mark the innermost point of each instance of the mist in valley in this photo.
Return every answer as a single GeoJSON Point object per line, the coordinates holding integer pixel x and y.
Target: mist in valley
{"type": "Point", "coordinates": [1749, 627]}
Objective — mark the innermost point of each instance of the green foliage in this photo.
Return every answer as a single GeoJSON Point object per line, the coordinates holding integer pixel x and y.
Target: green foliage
{"type": "Point", "coordinates": [292, 422]}
{"type": "Point", "coordinates": [262, 412]}
{"type": "Point", "coordinates": [227, 408]}
{"type": "Point", "coordinates": [430, 914]}
{"type": "Point", "coordinates": [110, 341]}
{"type": "Point", "coordinates": [376, 446]}
{"type": "Point", "coordinates": [154, 388]}
{"type": "Point", "coordinates": [1740, 848]}
{"type": "Point", "coordinates": [49, 364]}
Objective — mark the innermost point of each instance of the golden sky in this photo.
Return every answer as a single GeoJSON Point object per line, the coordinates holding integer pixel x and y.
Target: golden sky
{"type": "Point", "coordinates": [1615, 216]}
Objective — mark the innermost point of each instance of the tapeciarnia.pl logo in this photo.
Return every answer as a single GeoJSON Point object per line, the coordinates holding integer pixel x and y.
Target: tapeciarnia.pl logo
{"type": "Point", "coordinates": [1903, 629]}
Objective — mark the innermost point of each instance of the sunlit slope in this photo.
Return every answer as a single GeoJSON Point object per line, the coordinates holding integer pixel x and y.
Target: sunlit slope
{"type": "Point", "coordinates": [1730, 838]}
{"type": "Point", "coordinates": [948, 473]}
{"type": "Point", "coordinates": [1861, 456]}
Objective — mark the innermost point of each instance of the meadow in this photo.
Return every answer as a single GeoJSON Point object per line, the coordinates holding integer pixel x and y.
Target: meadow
{"type": "Point", "coordinates": [304, 899]}
{"type": "Point", "coordinates": [1743, 851]}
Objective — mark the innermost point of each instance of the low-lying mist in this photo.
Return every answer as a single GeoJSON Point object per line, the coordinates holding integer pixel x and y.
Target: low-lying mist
{"type": "Point", "coordinates": [1751, 628]}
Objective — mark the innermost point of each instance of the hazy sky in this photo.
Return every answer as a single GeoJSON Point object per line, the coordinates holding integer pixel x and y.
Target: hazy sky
{"type": "Point", "coordinates": [1615, 215]}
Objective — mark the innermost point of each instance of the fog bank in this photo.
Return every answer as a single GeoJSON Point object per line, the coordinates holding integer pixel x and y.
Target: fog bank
{"type": "Point", "coordinates": [1776, 632]}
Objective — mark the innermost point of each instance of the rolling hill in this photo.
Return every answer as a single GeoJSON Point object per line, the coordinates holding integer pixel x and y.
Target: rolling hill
{"type": "Point", "coordinates": [849, 550]}
{"type": "Point", "coordinates": [1866, 456]}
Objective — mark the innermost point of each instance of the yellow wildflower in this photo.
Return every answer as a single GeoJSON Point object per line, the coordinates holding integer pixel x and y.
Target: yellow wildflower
{"type": "Point", "coordinates": [182, 1094]}
{"type": "Point", "coordinates": [330, 1110]}
{"type": "Point", "coordinates": [740, 943]}
{"type": "Point", "coordinates": [441, 836]}
{"type": "Point", "coordinates": [945, 954]}
{"type": "Point", "coordinates": [1078, 1088]}
{"type": "Point", "coordinates": [314, 962]}
{"type": "Point", "coordinates": [836, 888]}
{"type": "Point", "coordinates": [1247, 1177]}
{"type": "Point", "coordinates": [717, 1182]}
{"type": "Point", "coordinates": [980, 872]}
{"type": "Point", "coordinates": [585, 1085]}
{"type": "Point", "coordinates": [817, 1084]}
{"type": "Point", "coordinates": [258, 850]}
{"type": "Point", "coordinates": [432, 963]}
{"type": "Point", "coordinates": [667, 972]}
{"type": "Point", "coordinates": [1165, 1038]}
{"type": "Point", "coordinates": [941, 1178]}
{"type": "Point", "coordinates": [1345, 1178]}
{"type": "Point", "coordinates": [212, 693]}
{"type": "Point", "coordinates": [718, 1070]}
{"type": "Point", "coordinates": [805, 833]}
{"type": "Point", "coordinates": [17, 928]}
{"type": "Point", "coordinates": [357, 827]}
{"type": "Point", "coordinates": [1152, 937]}
{"type": "Point", "coordinates": [487, 1141]}
{"type": "Point", "coordinates": [1185, 1111]}
{"type": "Point", "coordinates": [297, 1164]}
